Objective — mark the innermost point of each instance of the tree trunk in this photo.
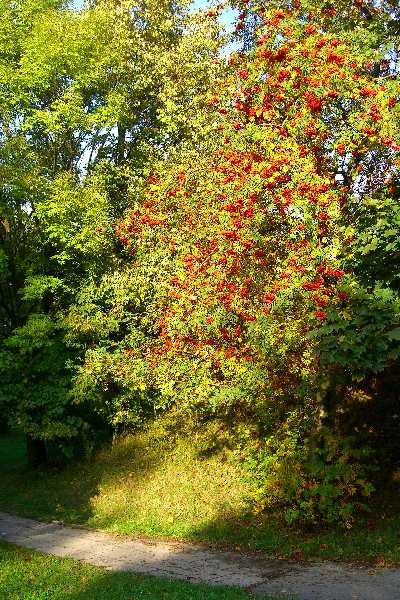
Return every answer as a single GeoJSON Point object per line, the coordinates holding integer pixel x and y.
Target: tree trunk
{"type": "Point", "coordinates": [36, 451]}
{"type": "Point", "coordinates": [121, 145]}
{"type": "Point", "coordinates": [3, 425]}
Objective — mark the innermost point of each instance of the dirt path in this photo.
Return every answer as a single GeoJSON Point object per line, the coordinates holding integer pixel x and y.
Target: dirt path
{"type": "Point", "coordinates": [259, 575]}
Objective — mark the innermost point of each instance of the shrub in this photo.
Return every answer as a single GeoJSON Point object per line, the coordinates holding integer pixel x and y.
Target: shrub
{"type": "Point", "coordinates": [314, 479]}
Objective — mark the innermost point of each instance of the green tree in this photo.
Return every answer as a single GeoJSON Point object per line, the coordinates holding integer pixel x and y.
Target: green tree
{"type": "Point", "coordinates": [88, 99]}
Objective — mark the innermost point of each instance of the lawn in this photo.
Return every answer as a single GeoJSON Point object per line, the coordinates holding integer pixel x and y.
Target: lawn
{"type": "Point", "coordinates": [152, 484]}
{"type": "Point", "coordinates": [29, 575]}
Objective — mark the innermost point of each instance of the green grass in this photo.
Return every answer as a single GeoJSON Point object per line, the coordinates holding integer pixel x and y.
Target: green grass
{"type": "Point", "coordinates": [157, 484]}
{"type": "Point", "coordinates": [29, 575]}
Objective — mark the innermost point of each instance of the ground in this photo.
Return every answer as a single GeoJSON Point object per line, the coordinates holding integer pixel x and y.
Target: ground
{"type": "Point", "coordinates": [160, 486]}
{"type": "Point", "coordinates": [29, 575]}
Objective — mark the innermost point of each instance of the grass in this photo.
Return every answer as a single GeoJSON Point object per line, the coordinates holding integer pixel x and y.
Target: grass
{"type": "Point", "coordinates": [156, 484]}
{"type": "Point", "coordinates": [29, 575]}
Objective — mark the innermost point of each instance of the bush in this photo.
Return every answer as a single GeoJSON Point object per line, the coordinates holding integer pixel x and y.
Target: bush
{"type": "Point", "coordinates": [315, 479]}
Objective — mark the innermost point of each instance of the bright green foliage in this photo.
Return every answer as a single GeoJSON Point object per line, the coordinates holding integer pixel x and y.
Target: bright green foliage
{"type": "Point", "coordinates": [89, 98]}
{"type": "Point", "coordinates": [104, 320]}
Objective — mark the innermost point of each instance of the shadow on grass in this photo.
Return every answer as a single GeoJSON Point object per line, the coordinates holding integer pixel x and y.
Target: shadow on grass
{"type": "Point", "coordinates": [35, 576]}
{"type": "Point", "coordinates": [64, 494]}
{"type": "Point", "coordinates": [125, 586]}
{"type": "Point", "coordinates": [375, 538]}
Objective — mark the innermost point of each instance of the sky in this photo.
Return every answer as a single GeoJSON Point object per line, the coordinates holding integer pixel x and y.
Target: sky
{"type": "Point", "coordinates": [226, 18]}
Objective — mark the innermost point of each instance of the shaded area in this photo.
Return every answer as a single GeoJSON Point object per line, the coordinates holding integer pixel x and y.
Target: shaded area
{"type": "Point", "coordinates": [40, 491]}
{"type": "Point", "coordinates": [66, 494]}
{"type": "Point", "coordinates": [376, 539]}
{"type": "Point", "coordinates": [13, 455]}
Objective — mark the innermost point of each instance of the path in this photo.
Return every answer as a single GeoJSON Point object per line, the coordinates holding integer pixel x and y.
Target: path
{"type": "Point", "coordinates": [259, 575]}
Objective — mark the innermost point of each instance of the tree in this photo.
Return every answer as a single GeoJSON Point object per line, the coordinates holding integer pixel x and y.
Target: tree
{"type": "Point", "coordinates": [245, 249]}
{"type": "Point", "coordinates": [87, 104]}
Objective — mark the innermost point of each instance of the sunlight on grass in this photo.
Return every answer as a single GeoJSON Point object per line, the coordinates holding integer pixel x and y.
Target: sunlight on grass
{"type": "Point", "coordinates": [163, 483]}
{"type": "Point", "coordinates": [164, 490]}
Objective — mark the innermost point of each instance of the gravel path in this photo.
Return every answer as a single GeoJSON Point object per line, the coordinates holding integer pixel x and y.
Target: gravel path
{"type": "Point", "coordinates": [259, 575]}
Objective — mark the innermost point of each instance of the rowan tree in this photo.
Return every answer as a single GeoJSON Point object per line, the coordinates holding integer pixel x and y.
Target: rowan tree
{"type": "Point", "coordinates": [246, 250]}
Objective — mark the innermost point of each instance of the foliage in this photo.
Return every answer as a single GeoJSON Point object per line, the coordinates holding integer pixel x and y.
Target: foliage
{"type": "Point", "coordinates": [89, 99]}
{"type": "Point", "coordinates": [362, 337]}
{"type": "Point", "coordinates": [104, 319]}
{"type": "Point", "coordinates": [323, 478]}
{"type": "Point", "coordinates": [35, 382]}
{"type": "Point", "coordinates": [254, 243]}
{"type": "Point", "coordinates": [217, 237]}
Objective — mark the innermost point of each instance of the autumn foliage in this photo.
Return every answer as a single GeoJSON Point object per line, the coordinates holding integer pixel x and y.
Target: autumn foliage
{"type": "Point", "coordinates": [258, 225]}
{"type": "Point", "coordinates": [250, 233]}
